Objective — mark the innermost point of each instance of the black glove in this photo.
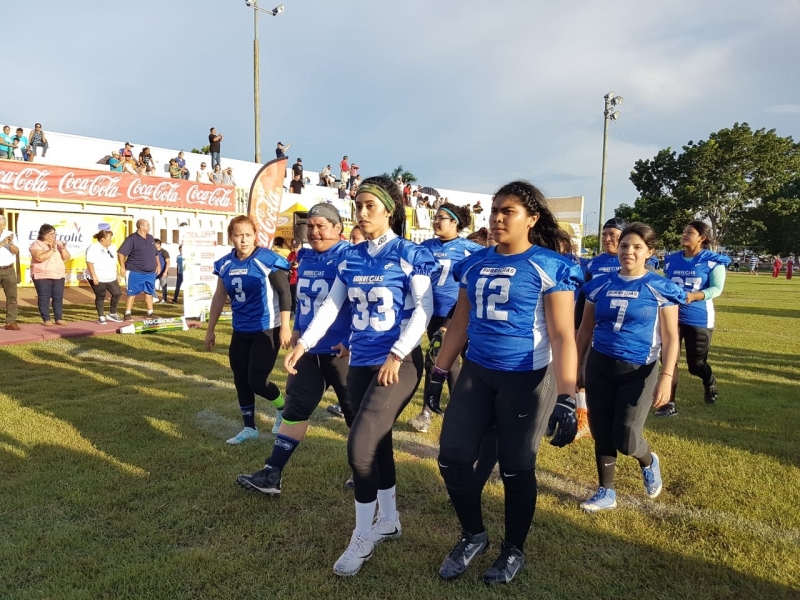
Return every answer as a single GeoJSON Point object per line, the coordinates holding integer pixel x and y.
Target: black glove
{"type": "Point", "coordinates": [433, 350]}
{"type": "Point", "coordinates": [433, 395]}
{"type": "Point", "coordinates": [563, 423]}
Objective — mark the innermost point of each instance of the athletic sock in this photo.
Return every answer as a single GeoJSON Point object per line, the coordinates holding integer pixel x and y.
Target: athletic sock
{"type": "Point", "coordinates": [606, 467]}
{"type": "Point", "coordinates": [387, 502]}
{"type": "Point", "coordinates": [249, 415]}
{"type": "Point", "coordinates": [282, 451]}
{"type": "Point", "coordinates": [277, 402]}
{"type": "Point", "coordinates": [365, 514]}
{"type": "Point", "coordinates": [645, 458]}
{"type": "Point", "coordinates": [149, 313]}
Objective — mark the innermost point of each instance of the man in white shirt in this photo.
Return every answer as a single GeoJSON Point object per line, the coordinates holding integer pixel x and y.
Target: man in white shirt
{"type": "Point", "coordinates": [8, 273]}
{"type": "Point", "coordinates": [203, 176]}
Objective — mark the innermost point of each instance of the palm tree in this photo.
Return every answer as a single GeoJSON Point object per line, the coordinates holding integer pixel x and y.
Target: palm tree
{"type": "Point", "coordinates": [405, 176]}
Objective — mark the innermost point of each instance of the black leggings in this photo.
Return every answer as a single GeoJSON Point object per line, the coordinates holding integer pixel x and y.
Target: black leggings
{"type": "Point", "coordinates": [619, 396]}
{"type": "Point", "coordinates": [315, 374]}
{"type": "Point", "coordinates": [376, 408]}
{"type": "Point", "coordinates": [698, 342]}
{"type": "Point", "coordinates": [99, 290]}
{"type": "Point", "coordinates": [252, 356]}
{"type": "Point", "coordinates": [518, 405]}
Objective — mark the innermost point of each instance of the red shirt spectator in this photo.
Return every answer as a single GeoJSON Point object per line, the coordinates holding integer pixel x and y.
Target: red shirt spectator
{"type": "Point", "coordinates": [343, 166]}
{"type": "Point", "coordinates": [292, 258]}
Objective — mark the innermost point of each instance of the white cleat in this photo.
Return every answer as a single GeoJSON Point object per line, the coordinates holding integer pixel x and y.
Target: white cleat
{"type": "Point", "coordinates": [358, 552]}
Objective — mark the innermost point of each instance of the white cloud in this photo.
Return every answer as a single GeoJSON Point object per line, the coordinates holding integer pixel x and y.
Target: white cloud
{"type": "Point", "coordinates": [783, 109]}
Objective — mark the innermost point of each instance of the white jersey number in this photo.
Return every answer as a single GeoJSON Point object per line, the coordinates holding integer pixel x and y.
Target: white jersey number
{"type": "Point", "coordinates": [320, 286]}
{"type": "Point", "coordinates": [622, 305]}
{"type": "Point", "coordinates": [695, 282]}
{"type": "Point", "coordinates": [489, 302]}
{"type": "Point", "coordinates": [445, 263]}
{"type": "Point", "coordinates": [238, 295]}
{"type": "Point", "coordinates": [386, 317]}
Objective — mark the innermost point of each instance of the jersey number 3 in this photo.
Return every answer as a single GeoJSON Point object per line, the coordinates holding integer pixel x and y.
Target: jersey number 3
{"type": "Point", "coordinates": [238, 292]}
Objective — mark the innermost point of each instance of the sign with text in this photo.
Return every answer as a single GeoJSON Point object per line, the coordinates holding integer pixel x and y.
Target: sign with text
{"type": "Point", "coordinates": [45, 182]}
{"type": "Point", "coordinates": [265, 200]}
{"type": "Point", "coordinates": [199, 281]}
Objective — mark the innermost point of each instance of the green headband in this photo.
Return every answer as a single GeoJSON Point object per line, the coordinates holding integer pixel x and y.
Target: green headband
{"type": "Point", "coordinates": [451, 213]}
{"type": "Point", "coordinates": [380, 193]}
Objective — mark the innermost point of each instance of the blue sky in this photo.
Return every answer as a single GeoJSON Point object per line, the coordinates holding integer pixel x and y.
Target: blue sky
{"type": "Point", "coordinates": [465, 94]}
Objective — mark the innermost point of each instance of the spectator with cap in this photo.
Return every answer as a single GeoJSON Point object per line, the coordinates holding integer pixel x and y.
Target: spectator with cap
{"type": "Point", "coordinates": [137, 259]}
{"type": "Point", "coordinates": [326, 178]}
{"type": "Point", "coordinates": [280, 150]}
{"type": "Point", "coordinates": [353, 174]}
{"type": "Point", "coordinates": [215, 146]}
{"type": "Point", "coordinates": [297, 168]}
{"type": "Point", "coordinates": [6, 143]}
{"type": "Point", "coordinates": [8, 273]}
{"type": "Point", "coordinates": [127, 151]}
{"type": "Point", "coordinates": [227, 177]}
{"type": "Point", "coordinates": [114, 163]}
{"type": "Point", "coordinates": [38, 139]}
{"type": "Point", "coordinates": [203, 176]}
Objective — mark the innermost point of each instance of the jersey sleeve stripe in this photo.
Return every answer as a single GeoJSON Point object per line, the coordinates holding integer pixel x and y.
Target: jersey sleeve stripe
{"type": "Point", "coordinates": [547, 281]}
{"type": "Point", "coordinates": [262, 266]}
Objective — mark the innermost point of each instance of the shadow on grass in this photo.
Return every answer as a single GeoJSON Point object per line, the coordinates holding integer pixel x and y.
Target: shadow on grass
{"type": "Point", "coordinates": [789, 313]}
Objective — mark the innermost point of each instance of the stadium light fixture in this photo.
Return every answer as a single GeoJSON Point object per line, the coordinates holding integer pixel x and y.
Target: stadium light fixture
{"type": "Point", "coordinates": [609, 114]}
{"type": "Point", "coordinates": [278, 10]}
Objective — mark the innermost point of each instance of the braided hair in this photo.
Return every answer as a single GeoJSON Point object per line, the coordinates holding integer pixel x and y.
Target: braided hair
{"type": "Point", "coordinates": [546, 232]}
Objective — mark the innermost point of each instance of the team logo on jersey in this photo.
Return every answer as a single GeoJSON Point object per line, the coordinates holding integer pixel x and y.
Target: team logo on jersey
{"type": "Point", "coordinates": [388, 266]}
{"type": "Point", "coordinates": [238, 272]}
{"type": "Point", "coordinates": [507, 271]}
{"type": "Point", "coordinates": [382, 240]}
{"type": "Point", "coordinates": [691, 272]}
{"type": "Point", "coordinates": [622, 294]}
{"type": "Point", "coordinates": [440, 254]}
{"type": "Point", "coordinates": [368, 279]}
{"type": "Point", "coordinates": [313, 273]}
{"type": "Point", "coordinates": [330, 262]}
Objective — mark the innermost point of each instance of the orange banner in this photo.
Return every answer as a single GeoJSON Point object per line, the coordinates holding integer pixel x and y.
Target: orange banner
{"type": "Point", "coordinates": [26, 180]}
{"type": "Point", "coordinates": [265, 200]}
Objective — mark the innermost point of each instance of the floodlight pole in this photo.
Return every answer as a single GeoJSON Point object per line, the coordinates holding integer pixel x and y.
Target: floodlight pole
{"type": "Point", "coordinates": [256, 84]}
{"type": "Point", "coordinates": [601, 211]}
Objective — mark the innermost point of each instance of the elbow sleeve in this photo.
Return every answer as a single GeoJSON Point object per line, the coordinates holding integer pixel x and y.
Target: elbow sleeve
{"type": "Point", "coordinates": [280, 286]}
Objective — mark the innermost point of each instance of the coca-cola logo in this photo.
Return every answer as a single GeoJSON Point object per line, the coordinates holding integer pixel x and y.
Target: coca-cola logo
{"type": "Point", "coordinates": [266, 214]}
{"type": "Point", "coordinates": [211, 197]}
{"type": "Point", "coordinates": [166, 192]}
{"type": "Point", "coordinates": [100, 186]}
{"type": "Point", "coordinates": [31, 180]}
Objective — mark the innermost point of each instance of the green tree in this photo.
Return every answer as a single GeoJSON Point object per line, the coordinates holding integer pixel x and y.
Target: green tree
{"type": "Point", "coordinates": [590, 242]}
{"type": "Point", "coordinates": [771, 224]}
{"type": "Point", "coordinates": [204, 150]}
{"type": "Point", "coordinates": [405, 176]}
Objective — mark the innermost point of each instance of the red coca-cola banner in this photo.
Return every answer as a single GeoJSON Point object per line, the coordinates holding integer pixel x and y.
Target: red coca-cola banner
{"type": "Point", "coordinates": [265, 200]}
{"type": "Point", "coordinates": [27, 180]}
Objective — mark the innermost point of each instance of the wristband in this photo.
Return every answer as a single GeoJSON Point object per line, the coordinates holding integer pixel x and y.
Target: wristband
{"type": "Point", "coordinates": [396, 357]}
{"type": "Point", "coordinates": [438, 371]}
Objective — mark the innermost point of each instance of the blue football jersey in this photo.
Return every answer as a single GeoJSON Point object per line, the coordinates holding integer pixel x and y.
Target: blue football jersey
{"type": "Point", "coordinates": [507, 329]}
{"type": "Point", "coordinates": [253, 302]}
{"type": "Point", "coordinates": [626, 315]}
{"type": "Point", "coordinates": [603, 264]}
{"type": "Point", "coordinates": [444, 285]}
{"type": "Point", "coordinates": [379, 290]}
{"type": "Point", "coordinates": [692, 274]}
{"type": "Point", "coordinates": [316, 273]}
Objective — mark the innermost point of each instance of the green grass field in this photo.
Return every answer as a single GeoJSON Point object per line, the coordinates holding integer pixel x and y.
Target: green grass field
{"type": "Point", "coordinates": [115, 482]}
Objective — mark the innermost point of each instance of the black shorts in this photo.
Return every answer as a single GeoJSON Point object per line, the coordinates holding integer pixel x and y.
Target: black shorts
{"type": "Point", "coordinates": [315, 374]}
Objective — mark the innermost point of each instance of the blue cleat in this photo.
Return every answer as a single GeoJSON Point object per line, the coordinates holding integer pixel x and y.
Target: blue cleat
{"type": "Point", "coordinates": [652, 477]}
{"type": "Point", "coordinates": [604, 499]}
{"type": "Point", "coordinates": [248, 433]}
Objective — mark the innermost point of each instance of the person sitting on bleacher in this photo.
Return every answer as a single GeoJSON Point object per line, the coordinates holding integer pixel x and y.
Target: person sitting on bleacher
{"type": "Point", "coordinates": [38, 140]}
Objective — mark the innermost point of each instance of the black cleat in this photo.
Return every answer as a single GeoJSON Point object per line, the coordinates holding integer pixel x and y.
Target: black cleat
{"type": "Point", "coordinates": [711, 392]}
{"type": "Point", "coordinates": [668, 410]}
{"type": "Point", "coordinates": [336, 410]}
{"type": "Point", "coordinates": [267, 481]}
{"type": "Point", "coordinates": [506, 566]}
{"type": "Point", "coordinates": [468, 547]}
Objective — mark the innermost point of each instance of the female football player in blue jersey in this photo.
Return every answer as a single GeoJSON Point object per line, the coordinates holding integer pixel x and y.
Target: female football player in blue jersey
{"type": "Point", "coordinates": [448, 249]}
{"type": "Point", "coordinates": [515, 307]}
{"type": "Point", "coordinates": [323, 367]}
{"type": "Point", "coordinates": [388, 282]}
{"type": "Point", "coordinates": [701, 273]}
{"type": "Point", "coordinates": [255, 280]}
{"type": "Point", "coordinates": [630, 316]}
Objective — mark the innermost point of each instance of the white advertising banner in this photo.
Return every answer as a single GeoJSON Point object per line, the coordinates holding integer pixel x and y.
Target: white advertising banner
{"type": "Point", "coordinates": [199, 281]}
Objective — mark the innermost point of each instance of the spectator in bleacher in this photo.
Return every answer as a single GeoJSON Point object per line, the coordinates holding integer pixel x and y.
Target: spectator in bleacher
{"type": "Point", "coordinates": [38, 140]}
{"type": "Point", "coordinates": [127, 151]}
{"type": "Point", "coordinates": [342, 191]}
{"type": "Point", "coordinates": [296, 185]}
{"type": "Point", "coordinates": [297, 168]}
{"type": "Point", "coordinates": [6, 143]}
{"type": "Point", "coordinates": [20, 145]}
{"type": "Point", "coordinates": [114, 163]}
{"type": "Point", "coordinates": [280, 150]}
{"type": "Point", "coordinates": [344, 168]}
{"type": "Point", "coordinates": [227, 177]}
{"type": "Point", "coordinates": [477, 208]}
{"type": "Point", "coordinates": [215, 146]}
{"type": "Point", "coordinates": [146, 164]}
{"type": "Point", "coordinates": [326, 178]}
{"type": "Point", "coordinates": [182, 164]}
{"type": "Point", "coordinates": [203, 176]}
{"type": "Point", "coordinates": [355, 183]}
{"type": "Point", "coordinates": [49, 272]}
{"type": "Point", "coordinates": [216, 175]}
{"type": "Point", "coordinates": [175, 171]}
{"type": "Point", "coordinates": [353, 173]}
{"type": "Point", "coordinates": [407, 194]}
{"type": "Point", "coordinates": [179, 262]}
{"type": "Point", "coordinates": [129, 165]}
{"type": "Point", "coordinates": [162, 256]}
{"type": "Point", "coordinates": [8, 273]}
